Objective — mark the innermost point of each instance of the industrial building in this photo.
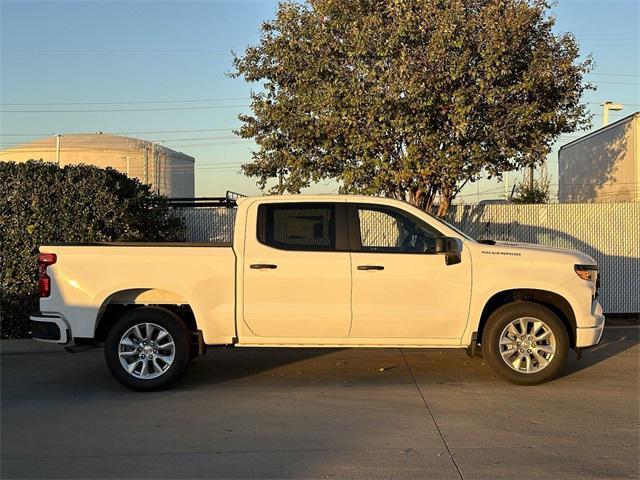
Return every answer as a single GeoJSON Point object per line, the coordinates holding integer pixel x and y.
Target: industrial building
{"type": "Point", "coordinates": [603, 166]}
{"type": "Point", "coordinates": [168, 172]}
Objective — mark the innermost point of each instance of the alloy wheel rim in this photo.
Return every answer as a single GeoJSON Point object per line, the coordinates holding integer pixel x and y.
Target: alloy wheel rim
{"type": "Point", "coordinates": [527, 345]}
{"type": "Point", "coordinates": [146, 351]}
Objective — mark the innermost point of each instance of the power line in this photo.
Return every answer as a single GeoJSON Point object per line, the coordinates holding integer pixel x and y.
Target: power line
{"type": "Point", "coordinates": [615, 74]}
{"type": "Point", "coordinates": [211, 144]}
{"type": "Point", "coordinates": [210, 107]}
{"type": "Point", "coordinates": [97, 143]}
{"type": "Point", "coordinates": [170, 140]}
{"type": "Point", "coordinates": [155, 132]}
{"type": "Point", "coordinates": [604, 82]}
{"type": "Point", "coordinates": [50, 148]}
{"type": "Point", "coordinates": [615, 45]}
{"type": "Point", "coordinates": [73, 143]}
{"type": "Point", "coordinates": [222, 99]}
{"type": "Point", "coordinates": [124, 102]}
{"type": "Point", "coordinates": [26, 50]}
{"type": "Point", "coordinates": [188, 168]}
{"type": "Point", "coordinates": [623, 103]}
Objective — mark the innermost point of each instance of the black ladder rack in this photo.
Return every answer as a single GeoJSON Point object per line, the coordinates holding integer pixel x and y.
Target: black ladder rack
{"type": "Point", "coordinates": [229, 200]}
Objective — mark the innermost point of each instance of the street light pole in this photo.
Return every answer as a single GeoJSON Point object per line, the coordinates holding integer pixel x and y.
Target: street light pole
{"type": "Point", "coordinates": [606, 106]}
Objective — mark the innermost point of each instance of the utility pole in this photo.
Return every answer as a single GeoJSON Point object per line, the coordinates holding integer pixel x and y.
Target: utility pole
{"type": "Point", "coordinates": [531, 170]}
{"type": "Point", "coordinates": [506, 185]}
{"type": "Point", "coordinates": [156, 167]}
{"type": "Point", "coordinates": [58, 137]}
{"type": "Point", "coordinates": [280, 179]}
{"type": "Point", "coordinates": [145, 167]}
{"type": "Point", "coordinates": [154, 185]}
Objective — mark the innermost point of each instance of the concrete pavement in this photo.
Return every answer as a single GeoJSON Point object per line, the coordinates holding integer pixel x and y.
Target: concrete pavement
{"type": "Point", "coordinates": [339, 413]}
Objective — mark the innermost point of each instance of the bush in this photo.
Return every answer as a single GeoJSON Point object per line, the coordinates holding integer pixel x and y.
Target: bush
{"type": "Point", "coordinates": [41, 203]}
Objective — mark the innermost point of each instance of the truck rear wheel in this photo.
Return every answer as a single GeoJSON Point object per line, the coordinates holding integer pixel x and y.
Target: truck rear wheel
{"type": "Point", "coordinates": [525, 343]}
{"type": "Point", "coordinates": [148, 348]}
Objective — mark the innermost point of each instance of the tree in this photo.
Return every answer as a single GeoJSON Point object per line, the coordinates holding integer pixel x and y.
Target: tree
{"type": "Point", "coordinates": [408, 99]}
{"type": "Point", "coordinates": [41, 203]}
{"type": "Point", "coordinates": [531, 189]}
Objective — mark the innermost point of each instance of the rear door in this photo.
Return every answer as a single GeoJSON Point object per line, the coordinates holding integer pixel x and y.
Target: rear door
{"type": "Point", "coordinates": [297, 271]}
{"type": "Point", "coordinates": [403, 292]}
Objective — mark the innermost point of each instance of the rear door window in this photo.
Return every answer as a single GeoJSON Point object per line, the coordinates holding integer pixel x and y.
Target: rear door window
{"type": "Point", "coordinates": [298, 226]}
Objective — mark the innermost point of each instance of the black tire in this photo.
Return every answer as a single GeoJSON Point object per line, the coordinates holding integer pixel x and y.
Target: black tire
{"type": "Point", "coordinates": [161, 317]}
{"type": "Point", "coordinates": [498, 322]}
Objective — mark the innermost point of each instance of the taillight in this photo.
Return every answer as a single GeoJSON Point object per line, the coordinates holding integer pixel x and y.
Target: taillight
{"type": "Point", "coordinates": [44, 282]}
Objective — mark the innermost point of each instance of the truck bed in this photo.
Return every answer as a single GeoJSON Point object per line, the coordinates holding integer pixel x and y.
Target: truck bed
{"type": "Point", "coordinates": [87, 277]}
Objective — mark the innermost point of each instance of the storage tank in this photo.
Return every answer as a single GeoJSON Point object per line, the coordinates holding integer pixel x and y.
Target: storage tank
{"type": "Point", "coordinates": [168, 172]}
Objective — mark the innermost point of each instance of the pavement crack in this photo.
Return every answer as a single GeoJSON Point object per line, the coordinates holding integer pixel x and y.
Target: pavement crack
{"type": "Point", "coordinates": [424, 400]}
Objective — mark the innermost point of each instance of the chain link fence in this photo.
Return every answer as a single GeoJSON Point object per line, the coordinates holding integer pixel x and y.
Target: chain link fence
{"type": "Point", "coordinates": [207, 224]}
{"type": "Point", "coordinates": [609, 232]}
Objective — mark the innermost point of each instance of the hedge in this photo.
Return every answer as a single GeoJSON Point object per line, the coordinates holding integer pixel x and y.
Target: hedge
{"type": "Point", "coordinates": [42, 203]}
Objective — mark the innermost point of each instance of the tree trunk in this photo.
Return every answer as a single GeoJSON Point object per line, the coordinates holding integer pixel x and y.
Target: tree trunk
{"type": "Point", "coordinates": [421, 198]}
{"type": "Point", "coordinates": [446, 194]}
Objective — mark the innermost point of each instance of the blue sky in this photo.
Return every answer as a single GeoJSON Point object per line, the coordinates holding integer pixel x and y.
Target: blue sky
{"type": "Point", "coordinates": [103, 52]}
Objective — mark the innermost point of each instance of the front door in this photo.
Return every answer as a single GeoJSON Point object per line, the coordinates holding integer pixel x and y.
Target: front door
{"type": "Point", "coordinates": [403, 292]}
{"type": "Point", "coordinates": [297, 272]}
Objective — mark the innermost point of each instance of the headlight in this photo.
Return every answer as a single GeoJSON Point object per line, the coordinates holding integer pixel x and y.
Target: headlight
{"type": "Point", "coordinates": [587, 272]}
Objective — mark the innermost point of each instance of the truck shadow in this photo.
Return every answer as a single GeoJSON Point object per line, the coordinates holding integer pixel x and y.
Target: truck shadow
{"type": "Point", "coordinates": [227, 364]}
{"type": "Point", "coordinates": [300, 366]}
{"type": "Point", "coordinates": [615, 340]}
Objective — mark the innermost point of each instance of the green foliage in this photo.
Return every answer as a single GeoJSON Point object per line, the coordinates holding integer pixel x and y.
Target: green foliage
{"type": "Point", "coordinates": [533, 190]}
{"type": "Point", "coordinates": [41, 203]}
{"type": "Point", "coordinates": [409, 99]}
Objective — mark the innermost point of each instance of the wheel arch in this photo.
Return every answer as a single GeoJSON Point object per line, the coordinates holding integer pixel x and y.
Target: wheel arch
{"type": "Point", "coordinates": [551, 300]}
{"type": "Point", "coordinates": [123, 301]}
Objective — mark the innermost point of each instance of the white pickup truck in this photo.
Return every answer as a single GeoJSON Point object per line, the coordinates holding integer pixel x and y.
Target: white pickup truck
{"type": "Point", "coordinates": [321, 271]}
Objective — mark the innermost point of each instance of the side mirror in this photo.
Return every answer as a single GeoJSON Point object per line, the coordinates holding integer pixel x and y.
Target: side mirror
{"type": "Point", "coordinates": [451, 247]}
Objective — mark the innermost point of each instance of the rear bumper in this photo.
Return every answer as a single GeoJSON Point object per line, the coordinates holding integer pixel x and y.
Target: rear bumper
{"type": "Point", "coordinates": [49, 328]}
{"type": "Point", "coordinates": [589, 336]}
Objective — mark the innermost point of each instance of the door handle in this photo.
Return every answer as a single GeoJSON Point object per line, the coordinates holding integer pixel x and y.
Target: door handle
{"type": "Point", "coordinates": [370, 267]}
{"type": "Point", "coordinates": [263, 266]}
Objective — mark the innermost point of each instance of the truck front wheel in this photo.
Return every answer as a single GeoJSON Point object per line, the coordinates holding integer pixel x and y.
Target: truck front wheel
{"type": "Point", "coordinates": [148, 348]}
{"type": "Point", "coordinates": [525, 343]}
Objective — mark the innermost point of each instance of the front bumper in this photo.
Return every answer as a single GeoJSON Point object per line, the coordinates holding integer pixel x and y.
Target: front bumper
{"type": "Point", "coordinates": [49, 328]}
{"type": "Point", "coordinates": [590, 336]}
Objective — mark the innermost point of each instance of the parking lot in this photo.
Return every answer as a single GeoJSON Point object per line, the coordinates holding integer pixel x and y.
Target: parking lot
{"type": "Point", "coordinates": [311, 413]}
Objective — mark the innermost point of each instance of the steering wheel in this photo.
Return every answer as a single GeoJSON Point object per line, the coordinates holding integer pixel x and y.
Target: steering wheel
{"type": "Point", "coordinates": [418, 246]}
